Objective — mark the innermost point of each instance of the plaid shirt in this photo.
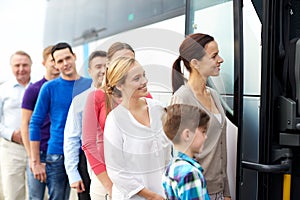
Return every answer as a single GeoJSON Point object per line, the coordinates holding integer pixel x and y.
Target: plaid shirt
{"type": "Point", "coordinates": [183, 180]}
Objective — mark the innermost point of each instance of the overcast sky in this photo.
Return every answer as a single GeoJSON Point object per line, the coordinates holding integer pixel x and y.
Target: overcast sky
{"type": "Point", "coordinates": [21, 23]}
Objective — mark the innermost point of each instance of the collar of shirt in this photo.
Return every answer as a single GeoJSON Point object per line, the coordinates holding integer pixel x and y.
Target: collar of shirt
{"type": "Point", "coordinates": [14, 83]}
{"type": "Point", "coordinates": [182, 156]}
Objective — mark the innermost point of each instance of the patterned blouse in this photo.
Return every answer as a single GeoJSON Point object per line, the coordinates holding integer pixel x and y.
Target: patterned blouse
{"type": "Point", "coordinates": [183, 179]}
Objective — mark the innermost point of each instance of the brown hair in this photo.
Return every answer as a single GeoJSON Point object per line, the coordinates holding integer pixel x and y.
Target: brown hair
{"type": "Point", "coordinates": [178, 117]}
{"type": "Point", "coordinates": [117, 46]}
{"type": "Point", "coordinates": [191, 48]}
{"type": "Point", "coordinates": [47, 52]}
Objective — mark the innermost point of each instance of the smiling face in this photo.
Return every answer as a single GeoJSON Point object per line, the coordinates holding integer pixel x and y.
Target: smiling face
{"type": "Point", "coordinates": [213, 56]}
{"type": "Point", "coordinates": [21, 68]}
{"type": "Point", "coordinates": [97, 68]}
{"type": "Point", "coordinates": [135, 85]}
{"type": "Point", "coordinates": [65, 62]}
{"type": "Point", "coordinates": [210, 63]}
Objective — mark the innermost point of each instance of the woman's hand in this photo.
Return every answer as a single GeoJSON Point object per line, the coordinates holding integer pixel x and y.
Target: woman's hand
{"type": "Point", "coordinates": [149, 195]}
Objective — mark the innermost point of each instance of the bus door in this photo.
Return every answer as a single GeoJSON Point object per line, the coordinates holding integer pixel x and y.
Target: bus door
{"type": "Point", "coordinates": [252, 37]}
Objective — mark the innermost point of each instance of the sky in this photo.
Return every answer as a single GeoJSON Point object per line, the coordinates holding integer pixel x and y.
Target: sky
{"type": "Point", "coordinates": [21, 23]}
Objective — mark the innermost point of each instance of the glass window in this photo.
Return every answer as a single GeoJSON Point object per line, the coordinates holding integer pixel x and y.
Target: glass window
{"type": "Point", "coordinates": [215, 17]}
{"type": "Point", "coordinates": [83, 21]}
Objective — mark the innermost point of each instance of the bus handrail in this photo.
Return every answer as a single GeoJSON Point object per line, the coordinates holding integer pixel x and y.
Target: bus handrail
{"type": "Point", "coordinates": [284, 167]}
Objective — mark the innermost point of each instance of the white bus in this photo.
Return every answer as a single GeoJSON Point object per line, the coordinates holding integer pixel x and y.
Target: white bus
{"type": "Point", "coordinates": [257, 83]}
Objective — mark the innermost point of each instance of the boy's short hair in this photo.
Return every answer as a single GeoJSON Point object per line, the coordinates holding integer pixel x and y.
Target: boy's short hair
{"type": "Point", "coordinates": [178, 117]}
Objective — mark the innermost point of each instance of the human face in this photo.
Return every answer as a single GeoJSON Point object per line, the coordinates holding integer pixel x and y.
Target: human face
{"type": "Point", "coordinates": [21, 68]}
{"type": "Point", "coordinates": [212, 50]}
{"type": "Point", "coordinates": [51, 71]}
{"type": "Point", "coordinates": [97, 70]}
{"type": "Point", "coordinates": [135, 85]}
{"type": "Point", "coordinates": [210, 64]}
{"type": "Point", "coordinates": [65, 62]}
{"type": "Point", "coordinates": [198, 140]}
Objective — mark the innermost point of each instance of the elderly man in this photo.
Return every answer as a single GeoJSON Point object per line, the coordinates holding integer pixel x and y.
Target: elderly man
{"type": "Point", "coordinates": [11, 146]}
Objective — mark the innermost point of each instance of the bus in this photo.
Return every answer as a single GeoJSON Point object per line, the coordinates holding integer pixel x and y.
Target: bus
{"type": "Point", "coordinates": [258, 83]}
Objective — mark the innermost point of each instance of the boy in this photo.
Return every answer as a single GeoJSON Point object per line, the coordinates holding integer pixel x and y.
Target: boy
{"type": "Point", "coordinates": [185, 126]}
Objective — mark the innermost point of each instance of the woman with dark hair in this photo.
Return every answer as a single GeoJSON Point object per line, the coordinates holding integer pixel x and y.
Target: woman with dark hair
{"type": "Point", "coordinates": [200, 56]}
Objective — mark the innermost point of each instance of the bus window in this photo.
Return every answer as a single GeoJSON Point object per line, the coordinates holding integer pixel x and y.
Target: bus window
{"type": "Point", "coordinates": [216, 19]}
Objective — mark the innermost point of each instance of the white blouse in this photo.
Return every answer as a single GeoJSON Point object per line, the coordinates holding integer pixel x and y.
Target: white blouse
{"type": "Point", "coordinates": [135, 155]}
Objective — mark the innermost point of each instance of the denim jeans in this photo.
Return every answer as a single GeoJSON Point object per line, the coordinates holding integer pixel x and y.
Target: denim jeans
{"type": "Point", "coordinates": [57, 179]}
{"type": "Point", "coordinates": [36, 189]}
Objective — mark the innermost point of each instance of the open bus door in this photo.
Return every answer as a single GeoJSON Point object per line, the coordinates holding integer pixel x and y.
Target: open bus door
{"type": "Point", "coordinates": [255, 96]}
{"type": "Point", "coordinates": [289, 115]}
{"type": "Point", "coordinates": [278, 138]}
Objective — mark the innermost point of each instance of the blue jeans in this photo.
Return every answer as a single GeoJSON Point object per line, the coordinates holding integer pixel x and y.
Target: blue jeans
{"type": "Point", "coordinates": [36, 189]}
{"type": "Point", "coordinates": [57, 179]}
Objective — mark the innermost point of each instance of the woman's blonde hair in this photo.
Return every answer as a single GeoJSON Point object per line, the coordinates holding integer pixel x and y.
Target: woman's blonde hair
{"type": "Point", "coordinates": [115, 75]}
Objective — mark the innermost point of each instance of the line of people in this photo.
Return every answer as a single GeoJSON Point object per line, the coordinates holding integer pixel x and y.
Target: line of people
{"type": "Point", "coordinates": [107, 137]}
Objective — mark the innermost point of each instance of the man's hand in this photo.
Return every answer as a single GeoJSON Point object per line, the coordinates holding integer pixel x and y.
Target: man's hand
{"type": "Point", "coordinates": [39, 171]}
{"type": "Point", "coordinates": [79, 186]}
{"type": "Point", "coordinates": [16, 137]}
{"type": "Point", "coordinates": [30, 164]}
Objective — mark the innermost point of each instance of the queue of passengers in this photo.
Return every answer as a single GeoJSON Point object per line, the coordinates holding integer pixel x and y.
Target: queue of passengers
{"type": "Point", "coordinates": [107, 137]}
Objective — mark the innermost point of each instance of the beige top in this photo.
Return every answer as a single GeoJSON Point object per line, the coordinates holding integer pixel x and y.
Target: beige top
{"type": "Point", "coordinates": [213, 158]}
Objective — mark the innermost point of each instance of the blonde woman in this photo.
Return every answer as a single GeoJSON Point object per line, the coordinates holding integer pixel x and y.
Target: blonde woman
{"type": "Point", "coordinates": [135, 146]}
{"type": "Point", "coordinates": [94, 116]}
